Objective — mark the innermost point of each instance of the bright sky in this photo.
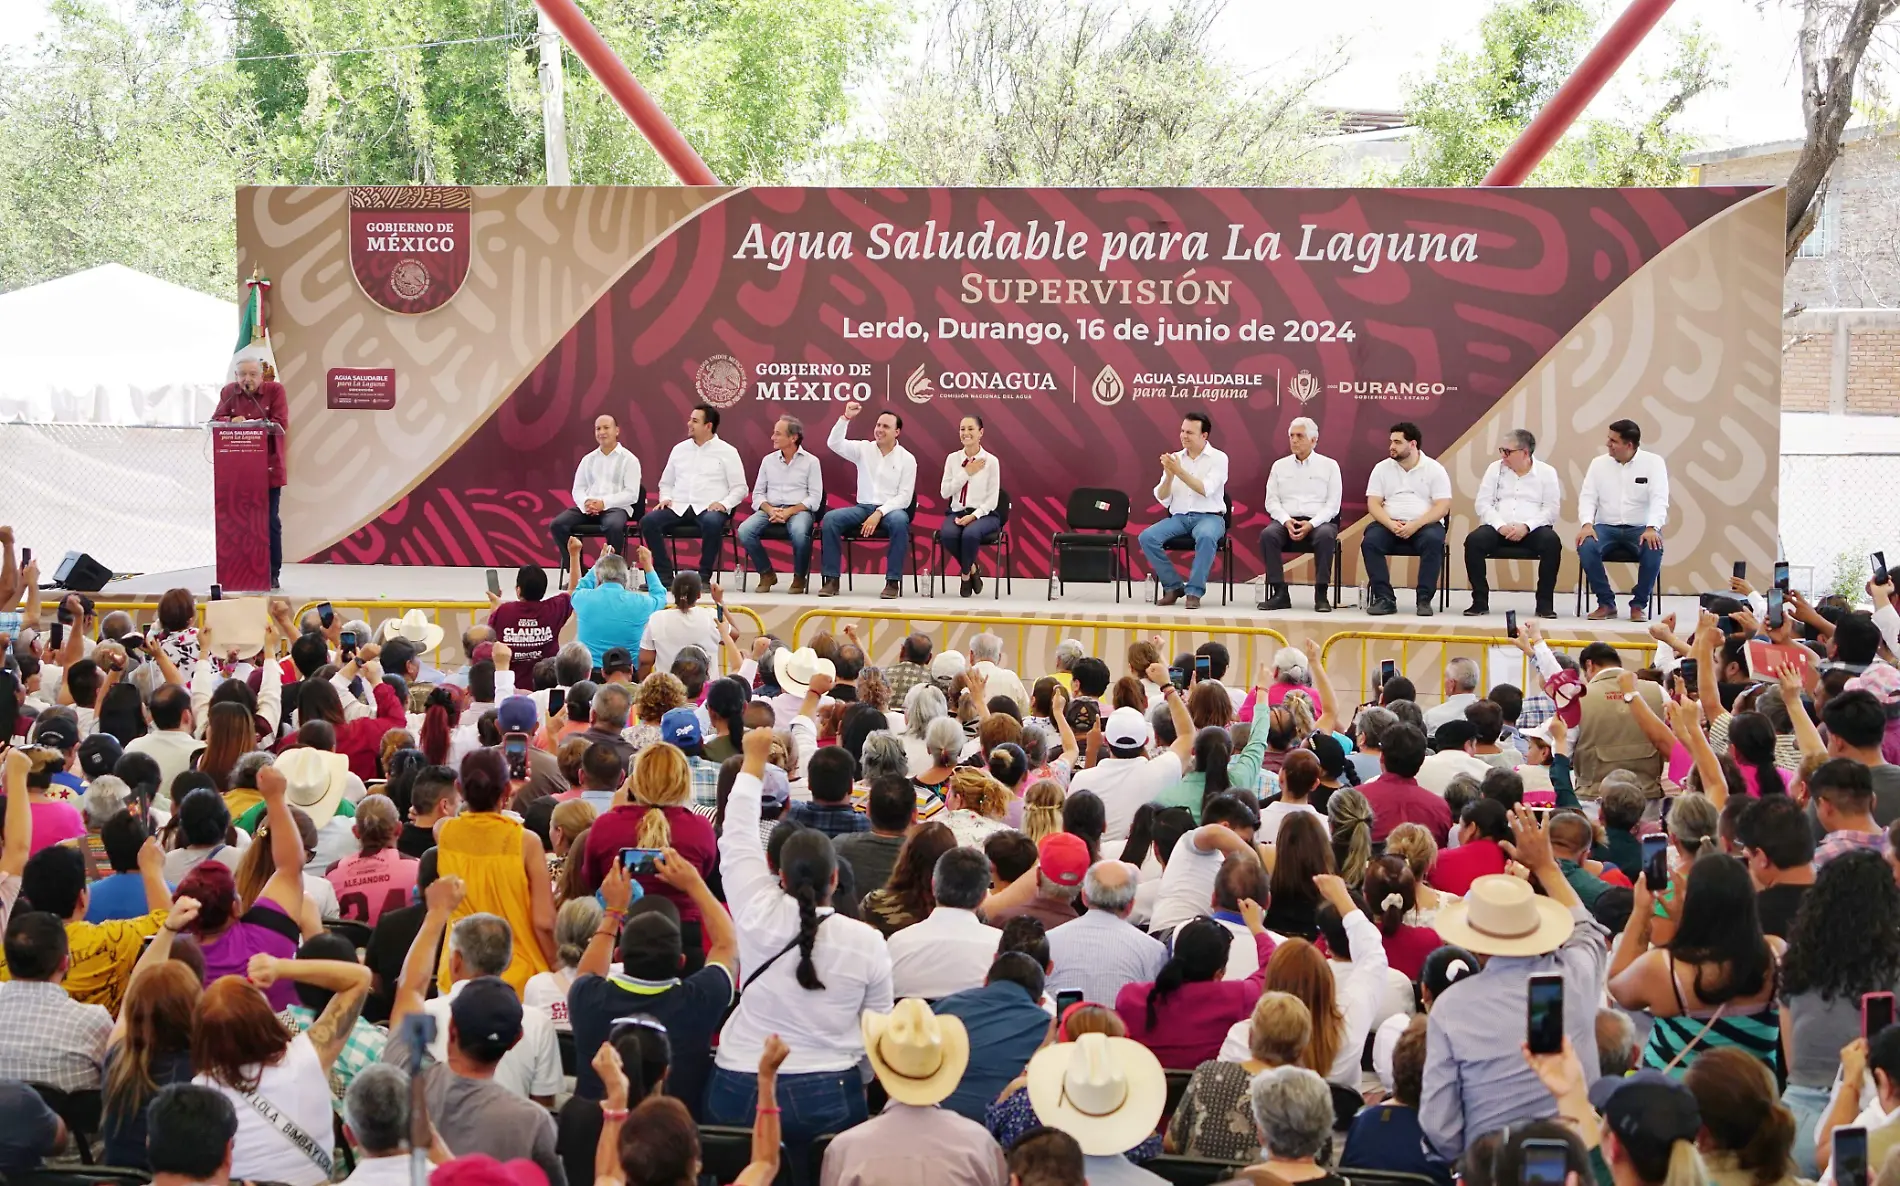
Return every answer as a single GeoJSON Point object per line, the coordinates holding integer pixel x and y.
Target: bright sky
{"type": "Point", "coordinates": [1389, 40]}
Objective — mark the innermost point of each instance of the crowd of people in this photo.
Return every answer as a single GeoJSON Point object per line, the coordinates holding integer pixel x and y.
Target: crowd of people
{"type": "Point", "coordinates": [941, 920]}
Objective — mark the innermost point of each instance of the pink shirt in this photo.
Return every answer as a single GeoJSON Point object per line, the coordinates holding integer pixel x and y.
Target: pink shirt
{"type": "Point", "coordinates": [1193, 1019]}
{"type": "Point", "coordinates": [54, 822]}
{"type": "Point", "coordinates": [368, 885]}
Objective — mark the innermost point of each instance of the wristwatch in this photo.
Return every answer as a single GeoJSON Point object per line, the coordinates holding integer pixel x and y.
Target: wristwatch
{"type": "Point", "coordinates": [1629, 697]}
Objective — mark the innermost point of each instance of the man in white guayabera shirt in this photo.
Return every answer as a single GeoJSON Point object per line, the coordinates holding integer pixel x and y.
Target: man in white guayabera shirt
{"type": "Point", "coordinates": [703, 480]}
{"type": "Point", "coordinates": [606, 490]}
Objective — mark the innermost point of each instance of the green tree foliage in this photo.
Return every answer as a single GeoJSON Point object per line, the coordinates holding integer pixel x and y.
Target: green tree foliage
{"type": "Point", "coordinates": [1089, 92]}
{"type": "Point", "coordinates": [1475, 103]}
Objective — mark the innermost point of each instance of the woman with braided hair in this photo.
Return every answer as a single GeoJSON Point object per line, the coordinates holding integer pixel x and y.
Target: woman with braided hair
{"type": "Point", "coordinates": [809, 973]}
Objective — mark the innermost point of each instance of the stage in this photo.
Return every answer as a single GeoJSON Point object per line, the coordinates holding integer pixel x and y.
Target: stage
{"type": "Point", "coordinates": [1030, 623]}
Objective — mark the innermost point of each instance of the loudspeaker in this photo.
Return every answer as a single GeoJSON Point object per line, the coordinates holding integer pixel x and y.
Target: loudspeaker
{"type": "Point", "coordinates": [80, 573]}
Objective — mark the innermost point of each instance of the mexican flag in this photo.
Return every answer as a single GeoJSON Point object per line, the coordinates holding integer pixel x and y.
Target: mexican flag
{"type": "Point", "coordinates": [253, 334]}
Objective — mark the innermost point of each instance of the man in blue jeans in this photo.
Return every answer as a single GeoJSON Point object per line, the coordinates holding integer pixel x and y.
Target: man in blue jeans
{"type": "Point", "coordinates": [790, 489]}
{"type": "Point", "coordinates": [887, 485]}
{"type": "Point", "coordinates": [1193, 489]}
{"type": "Point", "coordinates": [1623, 504]}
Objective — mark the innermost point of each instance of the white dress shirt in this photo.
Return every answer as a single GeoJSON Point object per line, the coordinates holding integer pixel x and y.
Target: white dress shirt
{"type": "Point", "coordinates": [885, 480]}
{"type": "Point", "coordinates": [1625, 493]}
{"type": "Point", "coordinates": [785, 483]}
{"type": "Point", "coordinates": [1533, 499]}
{"type": "Point", "coordinates": [531, 1067]}
{"type": "Point", "coordinates": [819, 1025]}
{"type": "Point", "coordinates": [948, 952]}
{"type": "Point", "coordinates": [1304, 489]}
{"type": "Point", "coordinates": [1210, 469]}
{"type": "Point", "coordinates": [696, 476]}
{"type": "Point", "coordinates": [1001, 681]}
{"type": "Point", "coordinates": [1408, 493]}
{"type": "Point", "coordinates": [1360, 990]}
{"type": "Point", "coordinates": [1124, 784]}
{"type": "Point", "coordinates": [613, 478]}
{"type": "Point", "coordinates": [978, 493]}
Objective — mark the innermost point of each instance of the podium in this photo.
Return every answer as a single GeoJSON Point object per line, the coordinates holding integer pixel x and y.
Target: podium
{"type": "Point", "coordinates": [240, 482]}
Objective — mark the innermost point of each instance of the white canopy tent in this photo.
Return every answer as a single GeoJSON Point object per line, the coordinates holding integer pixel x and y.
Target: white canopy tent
{"type": "Point", "coordinates": [110, 345]}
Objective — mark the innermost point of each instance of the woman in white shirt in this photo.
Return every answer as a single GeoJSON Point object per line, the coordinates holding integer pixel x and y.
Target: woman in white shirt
{"type": "Point", "coordinates": [810, 973]}
{"type": "Point", "coordinates": [685, 623]}
{"type": "Point", "coordinates": [574, 925]}
{"type": "Point", "coordinates": [972, 486]}
{"type": "Point", "coordinates": [280, 1085]}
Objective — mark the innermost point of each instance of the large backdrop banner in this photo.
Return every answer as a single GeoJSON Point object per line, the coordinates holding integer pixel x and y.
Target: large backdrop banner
{"type": "Point", "coordinates": [446, 350]}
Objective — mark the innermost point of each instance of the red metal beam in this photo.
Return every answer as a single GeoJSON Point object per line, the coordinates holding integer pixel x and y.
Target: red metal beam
{"type": "Point", "coordinates": [1582, 86]}
{"type": "Point", "coordinates": [612, 73]}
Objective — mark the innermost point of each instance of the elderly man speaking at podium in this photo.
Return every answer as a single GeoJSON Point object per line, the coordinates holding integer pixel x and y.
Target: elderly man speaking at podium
{"type": "Point", "coordinates": [254, 398]}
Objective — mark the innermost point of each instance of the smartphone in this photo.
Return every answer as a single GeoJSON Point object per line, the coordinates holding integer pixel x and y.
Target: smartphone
{"type": "Point", "coordinates": [1656, 861]}
{"type": "Point", "coordinates": [1203, 667]}
{"type": "Point", "coordinates": [1850, 1157]}
{"type": "Point", "coordinates": [133, 643]}
{"type": "Point", "coordinates": [1544, 1030]}
{"type": "Point", "coordinates": [640, 862]}
{"type": "Point", "coordinates": [217, 591]}
{"type": "Point", "coordinates": [1067, 999]}
{"type": "Point", "coordinates": [557, 700]}
{"type": "Point", "coordinates": [1179, 677]}
{"type": "Point", "coordinates": [59, 634]}
{"type": "Point", "coordinates": [1741, 570]}
{"type": "Point", "coordinates": [1725, 624]}
{"type": "Point", "coordinates": [1880, 567]}
{"type": "Point", "coordinates": [1388, 671]}
{"type": "Point", "coordinates": [26, 557]}
{"type": "Point", "coordinates": [494, 582]}
{"type": "Point", "coordinates": [1510, 623]}
{"type": "Point", "coordinates": [1876, 1013]}
{"type": "Point", "coordinates": [1781, 574]}
{"type": "Point", "coordinates": [1777, 611]}
{"type": "Point", "coordinates": [347, 640]}
{"type": "Point", "coordinates": [515, 748]}
{"type": "Point", "coordinates": [1546, 1162]}
{"type": "Point", "coordinates": [325, 614]}
{"type": "Point", "coordinates": [1688, 669]}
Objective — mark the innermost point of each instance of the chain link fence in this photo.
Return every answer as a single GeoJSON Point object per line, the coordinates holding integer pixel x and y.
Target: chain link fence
{"type": "Point", "coordinates": [1835, 509]}
{"type": "Point", "coordinates": [137, 498]}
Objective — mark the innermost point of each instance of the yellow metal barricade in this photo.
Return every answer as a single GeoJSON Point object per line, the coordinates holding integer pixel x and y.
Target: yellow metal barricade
{"type": "Point", "coordinates": [948, 621]}
{"type": "Point", "coordinates": [1421, 657]}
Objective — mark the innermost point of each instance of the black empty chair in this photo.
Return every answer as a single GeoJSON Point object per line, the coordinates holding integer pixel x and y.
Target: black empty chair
{"type": "Point", "coordinates": [939, 559]}
{"type": "Point", "coordinates": [1177, 1087]}
{"type": "Point", "coordinates": [1192, 1171]}
{"type": "Point", "coordinates": [1093, 547]}
{"type": "Point", "coordinates": [725, 1150]}
{"type": "Point", "coordinates": [81, 1110]}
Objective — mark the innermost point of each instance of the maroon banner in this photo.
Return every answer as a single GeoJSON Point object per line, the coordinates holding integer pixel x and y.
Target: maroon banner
{"type": "Point", "coordinates": [1080, 324]}
{"type": "Point", "coordinates": [240, 483]}
{"type": "Point", "coordinates": [359, 389]}
{"type": "Point", "coordinates": [409, 244]}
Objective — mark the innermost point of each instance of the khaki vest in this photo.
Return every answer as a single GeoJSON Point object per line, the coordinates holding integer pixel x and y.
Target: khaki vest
{"type": "Point", "coordinates": [1608, 737]}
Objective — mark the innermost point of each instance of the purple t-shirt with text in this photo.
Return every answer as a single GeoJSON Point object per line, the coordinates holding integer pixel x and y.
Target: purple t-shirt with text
{"type": "Point", "coordinates": [532, 630]}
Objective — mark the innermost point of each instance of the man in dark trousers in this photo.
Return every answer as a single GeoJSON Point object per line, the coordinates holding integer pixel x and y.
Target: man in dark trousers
{"type": "Point", "coordinates": [253, 398]}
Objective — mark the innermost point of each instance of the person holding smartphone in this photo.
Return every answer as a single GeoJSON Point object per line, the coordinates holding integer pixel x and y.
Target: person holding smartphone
{"type": "Point", "coordinates": [1519, 499]}
{"type": "Point", "coordinates": [1303, 499]}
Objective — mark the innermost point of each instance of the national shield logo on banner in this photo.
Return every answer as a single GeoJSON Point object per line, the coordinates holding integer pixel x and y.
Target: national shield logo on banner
{"type": "Point", "coordinates": [409, 244]}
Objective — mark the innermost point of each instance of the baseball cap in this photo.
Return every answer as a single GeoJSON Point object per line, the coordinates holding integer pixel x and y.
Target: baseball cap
{"type": "Point", "coordinates": [1331, 754]}
{"type": "Point", "coordinates": [1126, 728]}
{"type": "Point", "coordinates": [1064, 858]}
{"type": "Point", "coordinates": [616, 659]}
{"type": "Point", "coordinates": [1648, 1111]}
{"type": "Point", "coordinates": [487, 1016]}
{"type": "Point", "coordinates": [681, 727]}
{"type": "Point", "coordinates": [517, 714]}
{"type": "Point", "coordinates": [479, 1169]}
{"type": "Point", "coordinates": [58, 732]}
{"type": "Point", "coordinates": [1453, 735]}
{"type": "Point", "coordinates": [776, 790]}
{"type": "Point", "coordinates": [98, 754]}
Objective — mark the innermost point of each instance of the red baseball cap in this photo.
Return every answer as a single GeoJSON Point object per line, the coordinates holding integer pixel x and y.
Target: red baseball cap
{"type": "Point", "coordinates": [1064, 857]}
{"type": "Point", "coordinates": [479, 1169]}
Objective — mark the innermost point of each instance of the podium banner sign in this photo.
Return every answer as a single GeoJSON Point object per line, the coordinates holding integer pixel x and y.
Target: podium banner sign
{"type": "Point", "coordinates": [240, 480]}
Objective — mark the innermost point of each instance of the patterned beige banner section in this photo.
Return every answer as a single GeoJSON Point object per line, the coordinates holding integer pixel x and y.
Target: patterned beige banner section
{"type": "Point", "coordinates": [542, 256]}
{"type": "Point", "coordinates": [1689, 348]}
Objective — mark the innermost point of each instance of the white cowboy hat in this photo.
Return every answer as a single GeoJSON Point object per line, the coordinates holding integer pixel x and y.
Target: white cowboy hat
{"type": "Point", "coordinates": [795, 669]}
{"type": "Point", "coordinates": [415, 627]}
{"type": "Point", "coordinates": [919, 1057]}
{"type": "Point", "coordinates": [1107, 1093]}
{"type": "Point", "coordinates": [1502, 915]}
{"type": "Point", "coordinates": [314, 781]}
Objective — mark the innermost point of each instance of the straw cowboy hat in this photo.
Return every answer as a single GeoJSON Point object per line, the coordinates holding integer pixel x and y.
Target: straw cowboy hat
{"type": "Point", "coordinates": [1502, 915]}
{"type": "Point", "coordinates": [314, 781]}
{"type": "Point", "coordinates": [919, 1057]}
{"type": "Point", "coordinates": [1107, 1093]}
{"type": "Point", "coordinates": [795, 669]}
{"type": "Point", "coordinates": [415, 627]}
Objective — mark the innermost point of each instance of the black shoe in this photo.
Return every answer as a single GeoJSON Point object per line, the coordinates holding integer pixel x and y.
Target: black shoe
{"type": "Point", "coordinates": [1546, 611]}
{"type": "Point", "coordinates": [1321, 605]}
{"type": "Point", "coordinates": [976, 582]}
{"type": "Point", "coordinates": [1379, 607]}
{"type": "Point", "coordinates": [963, 588]}
{"type": "Point", "coordinates": [1476, 609]}
{"type": "Point", "coordinates": [1280, 600]}
{"type": "Point", "coordinates": [1424, 608]}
